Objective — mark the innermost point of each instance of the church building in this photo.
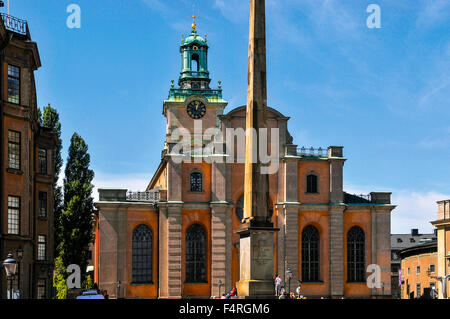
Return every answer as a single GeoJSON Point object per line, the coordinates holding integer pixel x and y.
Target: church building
{"type": "Point", "coordinates": [177, 239]}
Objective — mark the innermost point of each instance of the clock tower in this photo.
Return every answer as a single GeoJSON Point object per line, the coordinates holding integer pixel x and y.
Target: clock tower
{"type": "Point", "coordinates": [193, 100]}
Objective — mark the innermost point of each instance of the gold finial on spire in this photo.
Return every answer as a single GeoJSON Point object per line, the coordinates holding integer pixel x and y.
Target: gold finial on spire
{"type": "Point", "coordinates": [194, 26]}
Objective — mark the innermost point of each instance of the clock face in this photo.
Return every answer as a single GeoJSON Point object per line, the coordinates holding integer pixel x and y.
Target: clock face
{"type": "Point", "coordinates": [196, 109]}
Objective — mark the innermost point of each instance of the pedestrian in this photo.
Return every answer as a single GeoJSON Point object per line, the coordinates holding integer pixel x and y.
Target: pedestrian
{"type": "Point", "coordinates": [277, 285]}
{"type": "Point", "coordinates": [299, 288]}
{"type": "Point", "coordinates": [283, 295]}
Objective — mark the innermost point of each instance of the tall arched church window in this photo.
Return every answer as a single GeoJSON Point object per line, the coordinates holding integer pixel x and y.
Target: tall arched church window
{"type": "Point", "coordinates": [196, 182]}
{"type": "Point", "coordinates": [142, 255]}
{"type": "Point", "coordinates": [311, 184]}
{"type": "Point", "coordinates": [196, 254]}
{"type": "Point", "coordinates": [356, 259]}
{"type": "Point", "coordinates": [310, 254]}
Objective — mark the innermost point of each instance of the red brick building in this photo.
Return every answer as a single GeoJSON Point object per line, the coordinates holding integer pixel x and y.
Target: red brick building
{"type": "Point", "coordinates": [26, 165]}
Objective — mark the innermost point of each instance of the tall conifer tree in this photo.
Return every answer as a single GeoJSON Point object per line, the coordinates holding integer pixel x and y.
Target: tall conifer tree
{"type": "Point", "coordinates": [77, 215]}
{"type": "Point", "coordinates": [50, 119]}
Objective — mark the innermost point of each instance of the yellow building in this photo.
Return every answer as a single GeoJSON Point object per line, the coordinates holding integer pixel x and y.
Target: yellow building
{"type": "Point", "coordinates": [443, 246]}
{"type": "Point", "coordinates": [418, 268]}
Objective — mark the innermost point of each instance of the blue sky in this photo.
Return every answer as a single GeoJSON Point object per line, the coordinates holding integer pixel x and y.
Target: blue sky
{"type": "Point", "coordinates": [384, 94]}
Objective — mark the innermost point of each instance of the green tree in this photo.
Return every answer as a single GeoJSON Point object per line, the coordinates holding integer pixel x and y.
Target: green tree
{"type": "Point", "coordinates": [87, 283]}
{"type": "Point", "coordinates": [77, 214]}
{"type": "Point", "coordinates": [50, 119]}
{"type": "Point", "coordinates": [59, 280]}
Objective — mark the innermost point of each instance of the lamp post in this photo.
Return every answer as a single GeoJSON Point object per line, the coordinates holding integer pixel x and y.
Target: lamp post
{"type": "Point", "coordinates": [220, 286]}
{"type": "Point", "coordinates": [289, 276]}
{"type": "Point", "coordinates": [10, 265]}
{"type": "Point", "coordinates": [19, 253]}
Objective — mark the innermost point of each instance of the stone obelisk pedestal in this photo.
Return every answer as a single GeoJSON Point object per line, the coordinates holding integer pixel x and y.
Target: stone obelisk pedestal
{"type": "Point", "coordinates": [257, 231]}
{"type": "Point", "coordinates": [256, 263]}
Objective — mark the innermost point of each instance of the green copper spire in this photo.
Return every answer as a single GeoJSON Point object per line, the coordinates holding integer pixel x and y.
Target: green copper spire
{"type": "Point", "coordinates": [194, 76]}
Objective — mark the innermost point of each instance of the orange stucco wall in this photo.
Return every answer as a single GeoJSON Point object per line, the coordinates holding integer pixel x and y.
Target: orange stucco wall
{"type": "Point", "coordinates": [203, 218]}
{"type": "Point", "coordinates": [362, 219]}
{"type": "Point", "coordinates": [162, 180]}
{"type": "Point", "coordinates": [203, 168]}
{"type": "Point", "coordinates": [424, 261]}
{"type": "Point", "coordinates": [321, 170]}
{"type": "Point", "coordinates": [318, 219]}
{"type": "Point", "coordinates": [134, 219]}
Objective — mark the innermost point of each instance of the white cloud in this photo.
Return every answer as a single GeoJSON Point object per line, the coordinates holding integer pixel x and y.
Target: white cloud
{"type": "Point", "coordinates": [415, 209]}
{"type": "Point", "coordinates": [155, 5]}
{"type": "Point", "coordinates": [132, 182]}
{"type": "Point", "coordinates": [237, 11]}
{"type": "Point", "coordinates": [433, 13]}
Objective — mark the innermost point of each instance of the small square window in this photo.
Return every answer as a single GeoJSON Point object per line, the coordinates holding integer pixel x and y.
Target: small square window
{"type": "Point", "coordinates": [196, 182]}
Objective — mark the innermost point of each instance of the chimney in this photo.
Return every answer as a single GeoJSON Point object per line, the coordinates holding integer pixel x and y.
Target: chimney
{"type": "Point", "coordinates": [414, 232]}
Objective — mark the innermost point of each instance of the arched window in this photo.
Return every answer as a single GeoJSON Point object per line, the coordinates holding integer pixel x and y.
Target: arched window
{"type": "Point", "coordinates": [356, 259]}
{"type": "Point", "coordinates": [311, 183]}
{"type": "Point", "coordinates": [310, 254]}
{"type": "Point", "coordinates": [196, 181]}
{"type": "Point", "coordinates": [196, 254]}
{"type": "Point", "coordinates": [142, 271]}
{"type": "Point", "coordinates": [195, 67]}
{"type": "Point", "coordinates": [240, 209]}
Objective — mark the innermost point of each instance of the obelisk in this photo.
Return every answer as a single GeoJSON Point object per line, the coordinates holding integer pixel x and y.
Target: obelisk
{"type": "Point", "coordinates": [256, 233]}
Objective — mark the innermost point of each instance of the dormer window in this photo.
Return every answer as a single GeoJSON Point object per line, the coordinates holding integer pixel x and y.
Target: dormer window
{"type": "Point", "coordinates": [412, 240]}
{"type": "Point", "coordinates": [399, 240]}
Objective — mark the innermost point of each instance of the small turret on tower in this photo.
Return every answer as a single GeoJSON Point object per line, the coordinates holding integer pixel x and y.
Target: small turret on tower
{"type": "Point", "coordinates": [194, 76]}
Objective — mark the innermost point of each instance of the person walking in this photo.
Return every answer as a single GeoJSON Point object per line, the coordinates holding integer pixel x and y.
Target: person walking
{"type": "Point", "coordinates": [299, 288]}
{"type": "Point", "coordinates": [277, 285]}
